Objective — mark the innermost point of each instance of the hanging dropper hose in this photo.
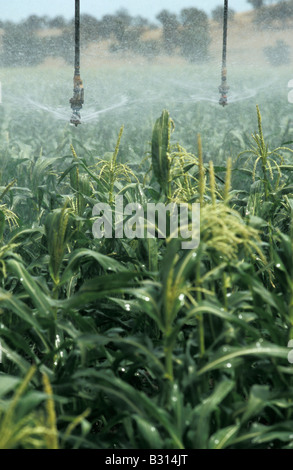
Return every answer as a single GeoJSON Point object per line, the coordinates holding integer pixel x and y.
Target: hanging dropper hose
{"type": "Point", "coordinates": [78, 93]}
{"type": "Point", "coordinates": [223, 88]}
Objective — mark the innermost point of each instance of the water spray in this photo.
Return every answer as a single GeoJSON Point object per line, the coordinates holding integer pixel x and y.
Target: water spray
{"type": "Point", "coordinates": [223, 88]}
{"type": "Point", "coordinates": [78, 92]}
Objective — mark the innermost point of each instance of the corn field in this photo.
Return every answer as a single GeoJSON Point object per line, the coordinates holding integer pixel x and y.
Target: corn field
{"type": "Point", "coordinates": [119, 343]}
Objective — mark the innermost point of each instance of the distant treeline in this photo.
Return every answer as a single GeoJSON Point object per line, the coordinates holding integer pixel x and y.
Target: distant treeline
{"type": "Point", "coordinates": [186, 34]}
{"type": "Point", "coordinates": [278, 15]}
{"type": "Point", "coordinates": [274, 17]}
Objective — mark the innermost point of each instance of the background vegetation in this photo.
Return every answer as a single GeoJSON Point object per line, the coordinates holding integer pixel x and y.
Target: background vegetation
{"type": "Point", "coordinates": [23, 45]}
{"type": "Point", "coordinates": [186, 35]}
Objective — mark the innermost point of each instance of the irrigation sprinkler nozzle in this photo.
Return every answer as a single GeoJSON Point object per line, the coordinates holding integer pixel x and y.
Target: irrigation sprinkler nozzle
{"type": "Point", "coordinates": [223, 89]}
{"type": "Point", "coordinates": [77, 101]}
{"type": "Point", "coordinates": [75, 118]}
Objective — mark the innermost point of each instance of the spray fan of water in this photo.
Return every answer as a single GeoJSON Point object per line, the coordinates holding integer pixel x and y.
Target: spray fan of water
{"type": "Point", "coordinates": [140, 96]}
{"type": "Point", "coordinates": [62, 113]}
{"type": "Point", "coordinates": [236, 94]}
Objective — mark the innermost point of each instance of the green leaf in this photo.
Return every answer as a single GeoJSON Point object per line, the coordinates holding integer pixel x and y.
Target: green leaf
{"type": "Point", "coordinates": [2, 224]}
{"type": "Point", "coordinates": [37, 296]}
{"type": "Point", "coordinates": [149, 433]}
{"type": "Point", "coordinates": [263, 349]}
{"type": "Point", "coordinates": [160, 150]}
{"type": "Point", "coordinates": [107, 262]}
{"type": "Point", "coordinates": [8, 383]}
{"type": "Point", "coordinates": [201, 414]}
{"type": "Point", "coordinates": [135, 400]}
{"type": "Point", "coordinates": [258, 399]}
{"type": "Point", "coordinates": [97, 288]}
{"type": "Point", "coordinates": [224, 437]}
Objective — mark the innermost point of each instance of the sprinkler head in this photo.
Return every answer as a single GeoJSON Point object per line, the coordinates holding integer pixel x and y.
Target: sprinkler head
{"type": "Point", "coordinates": [223, 101]}
{"type": "Point", "coordinates": [223, 89]}
{"type": "Point", "coordinates": [75, 118]}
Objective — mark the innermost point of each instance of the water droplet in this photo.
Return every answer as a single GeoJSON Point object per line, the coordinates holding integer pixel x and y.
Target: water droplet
{"type": "Point", "coordinates": [153, 429]}
{"type": "Point", "coordinates": [181, 297]}
{"type": "Point", "coordinates": [127, 307]}
{"type": "Point", "coordinates": [147, 299]}
{"type": "Point", "coordinates": [278, 265]}
{"type": "Point", "coordinates": [21, 279]}
{"type": "Point", "coordinates": [258, 343]}
{"type": "Point", "coordinates": [229, 365]}
{"type": "Point", "coordinates": [217, 441]}
{"type": "Point", "coordinates": [174, 399]}
{"type": "Point", "coordinates": [240, 316]}
{"type": "Point", "coordinates": [229, 295]}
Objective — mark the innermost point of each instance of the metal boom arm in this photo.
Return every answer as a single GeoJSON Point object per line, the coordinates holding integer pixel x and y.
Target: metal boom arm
{"type": "Point", "coordinates": [223, 88]}
{"type": "Point", "coordinates": [78, 92]}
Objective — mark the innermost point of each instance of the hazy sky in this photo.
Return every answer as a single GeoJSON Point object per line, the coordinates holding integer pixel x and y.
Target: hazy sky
{"type": "Point", "coordinates": [16, 10]}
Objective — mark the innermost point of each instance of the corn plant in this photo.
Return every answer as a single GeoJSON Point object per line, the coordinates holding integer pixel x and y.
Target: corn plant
{"type": "Point", "coordinates": [139, 343]}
